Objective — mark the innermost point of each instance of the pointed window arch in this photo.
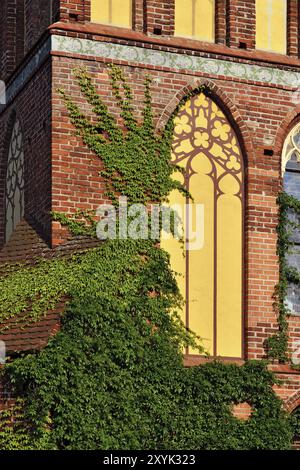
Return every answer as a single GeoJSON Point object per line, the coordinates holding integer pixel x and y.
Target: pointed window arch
{"type": "Point", "coordinates": [210, 280]}
{"type": "Point", "coordinates": [14, 207]}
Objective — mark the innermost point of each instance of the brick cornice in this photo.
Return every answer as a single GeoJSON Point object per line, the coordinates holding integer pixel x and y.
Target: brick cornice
{"type": "Point", "coordinates": [283, 369]}
{"type": "Point", "coordinates": [191, 361]}
{"type": "Point", "coordinates": [278, 369]}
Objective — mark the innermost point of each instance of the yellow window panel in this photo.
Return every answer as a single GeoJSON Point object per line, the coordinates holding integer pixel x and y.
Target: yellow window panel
{"type": "Point", "coordinates": [271, 25]}
{"type": "Point", "coordinates": [211, 280]}
{"type": "Point", "coordinates": [201, 284]}
{"type": "Point", "coordinates": [195, 19]}
{"type": "Point", "coordinates": [113, 12]}
{"type": "Point", "coordinates": [229, 274]}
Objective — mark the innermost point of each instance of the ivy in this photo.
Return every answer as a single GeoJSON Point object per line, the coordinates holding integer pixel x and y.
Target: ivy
{"type": "Point", "coordinates": [14, 434]}
{"type": "Point", "coordinates": [109, 380]}
{"type": "Point", "coordinates": [113, 376]}
{"type": "Point", "coordinates": [81, 223]}
{"type": "Point", "coordinates": [136, 161]}
{"type": "Point", "coordinates": [277, 345]}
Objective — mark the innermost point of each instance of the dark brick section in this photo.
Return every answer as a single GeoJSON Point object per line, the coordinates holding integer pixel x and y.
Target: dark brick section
{"type": "Point", "coordinates": [33, 109]}
{"type": "Point", "coordinates": [27, 246]}
{"type": "Point", "coordinates": [23, 22]}
{"type": "Point", "coordinates": [38, 16]}
{"type": "Point", "coordinates": [55, 10]}
{"type": "Point", "coordinates": [20, 31]}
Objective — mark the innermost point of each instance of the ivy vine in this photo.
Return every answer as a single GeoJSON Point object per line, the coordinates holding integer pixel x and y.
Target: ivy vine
{"type": "Point", "coordinates": [136, 161]}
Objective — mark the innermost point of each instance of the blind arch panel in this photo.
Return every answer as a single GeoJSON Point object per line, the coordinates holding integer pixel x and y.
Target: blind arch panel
{"type": "Point", "coordinates": [211, 276]}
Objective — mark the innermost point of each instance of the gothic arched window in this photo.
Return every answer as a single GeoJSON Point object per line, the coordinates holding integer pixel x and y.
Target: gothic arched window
{"type": "Point", "coordinates": [271, 25]}
{"type": "Point", "coordinates": [113, 12]}
{"type": "Point", "coordinates": [211, 281]}
{"type": "Point", "coordinates": [291, 185]}
{"type": "Point", "coordinates": [14, 207]}
{"type": "Point", "coordinates": [195, 19]}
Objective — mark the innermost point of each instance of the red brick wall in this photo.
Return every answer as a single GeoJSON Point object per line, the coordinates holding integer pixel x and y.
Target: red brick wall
{"type": "Point", "coordinates": [22, 22]}
{"type": "Point", "coordinates": [8, 18]}
{"type": "Point", "coordinates": [293, 28]}
{"type": "Point", "coordinates": [242, 411]}
{"type": "Point", "coordinates": [159, 17]}
{"type": "Point", "coordinates": [241, 20]}
{"type": "Point", "coordinates": [221, 21]}
{"type": "Point", "coordinates": [262, 109]}
{"type": "Point", "coordinates": [75, 10]}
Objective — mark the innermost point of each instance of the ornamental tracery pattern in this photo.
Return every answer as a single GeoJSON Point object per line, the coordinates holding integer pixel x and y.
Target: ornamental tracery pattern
{"type": "Point", "coordinates": [203, 131]}
{"type": "Point", "coordinates": [15, 181]}
{"type": "Point", "coordinates": [206, 146]}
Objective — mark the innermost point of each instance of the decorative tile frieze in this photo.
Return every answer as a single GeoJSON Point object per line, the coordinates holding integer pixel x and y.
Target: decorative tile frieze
{"type": "Point", "coordinates": [176, 61]}
{"type": "Point", "coordinates": [149, 57]}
